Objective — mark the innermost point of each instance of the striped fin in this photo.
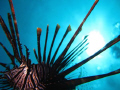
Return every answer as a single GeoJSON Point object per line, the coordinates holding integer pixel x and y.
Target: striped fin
{"type": "Point", "coordinates": [77, 47]}
{"type": "Point", "coordinates": [39, 30]}
{"type": "Point", "coordinates": [49, 55]}
{"type": "Point", "coordinates": [15, 47]}
{"type": "Point", "coordinates": [9, 54]}
{"type": "Point", "coordinates": [35, 54]}
{"type": "Point", "coordinates": [59, 60]}
{"type": "Point", "coordinates": [16, 29]}
{"type": "Point", "coordinates": [9, 36]}
{"type": "Point", "coordinates": [44, 53]}
{"type": "Point", "coordinates": [75, 82]}
{"type": "Point", "coordinates": [112, 42]}
{"type": "Point", "coordinates": [77, 51]}
{"type": "Point", "coordinates": [5, 65]}
{"type": "Point", "coordinates": [6, 30]}
{"type": "Point", "coordinates": [53, 58]}
{"type": "Point", "coordinates": [27, 57]}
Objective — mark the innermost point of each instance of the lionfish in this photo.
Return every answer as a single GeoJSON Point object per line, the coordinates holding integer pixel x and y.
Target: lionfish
{"type": "Point", "coordinates": [49, 73]}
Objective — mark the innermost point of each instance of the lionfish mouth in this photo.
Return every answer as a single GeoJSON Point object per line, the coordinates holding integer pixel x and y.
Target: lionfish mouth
{"type": "Point", "coordinates": [49, 73]}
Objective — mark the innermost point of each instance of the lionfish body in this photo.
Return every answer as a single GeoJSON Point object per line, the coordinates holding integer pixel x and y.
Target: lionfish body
{"type": "Point", "coordinates": [49, 73]}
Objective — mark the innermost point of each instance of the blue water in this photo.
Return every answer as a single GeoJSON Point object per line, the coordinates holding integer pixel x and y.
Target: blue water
{"type": "Point", "coordinates": [104, 19]}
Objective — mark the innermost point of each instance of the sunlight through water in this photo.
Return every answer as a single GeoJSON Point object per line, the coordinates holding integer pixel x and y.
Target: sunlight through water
{"type": "Point", "coordinates": [96, 41]}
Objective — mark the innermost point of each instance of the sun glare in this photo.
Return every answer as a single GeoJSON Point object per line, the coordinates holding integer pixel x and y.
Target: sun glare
{"type": "Point", "coordinates": [96, 41]}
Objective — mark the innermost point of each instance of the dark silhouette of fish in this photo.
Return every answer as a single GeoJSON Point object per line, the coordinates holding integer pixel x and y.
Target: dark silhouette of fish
{"type": "Point", "coordinates": [49, 73]}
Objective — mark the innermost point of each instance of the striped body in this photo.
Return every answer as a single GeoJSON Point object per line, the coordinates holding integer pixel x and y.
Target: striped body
{"type": "Point", "coordinates": [28, 78]}
{"type": "Point", "coordinates": [49, 73]}
{"type": "Point", "coordinates": [35, 77]}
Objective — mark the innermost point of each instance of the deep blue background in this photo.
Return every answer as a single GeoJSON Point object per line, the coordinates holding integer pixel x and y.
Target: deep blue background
{"type": "Point", "coordinates": [38, 13]}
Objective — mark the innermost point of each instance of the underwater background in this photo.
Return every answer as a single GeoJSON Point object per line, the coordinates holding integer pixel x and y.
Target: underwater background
{"type": "Point", "coordinates": [102, 25]}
